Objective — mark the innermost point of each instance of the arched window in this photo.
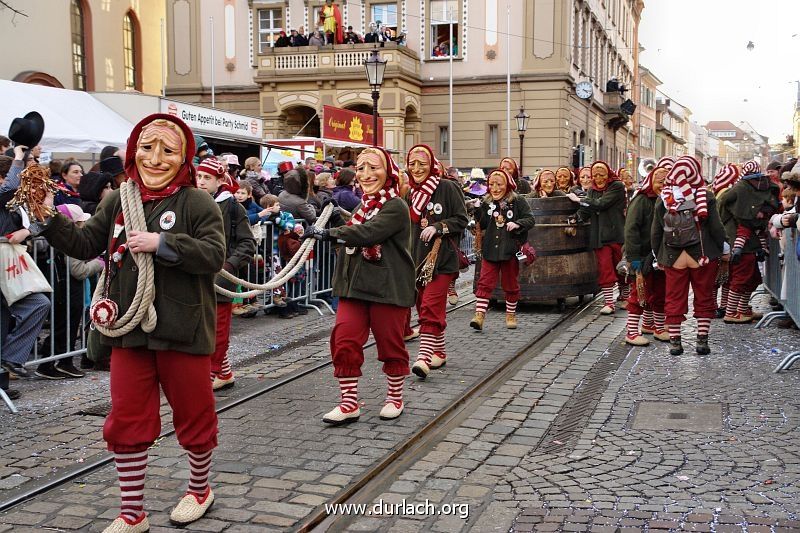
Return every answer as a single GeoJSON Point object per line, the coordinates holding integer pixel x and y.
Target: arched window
{"type": "Point", "coordinates": [131, 49]}
{"type": "Point", "coordinates": [78, 46]}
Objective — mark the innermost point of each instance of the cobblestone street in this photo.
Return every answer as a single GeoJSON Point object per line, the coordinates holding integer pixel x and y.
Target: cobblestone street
{"type": "Point", "coordinates": [575, 441]}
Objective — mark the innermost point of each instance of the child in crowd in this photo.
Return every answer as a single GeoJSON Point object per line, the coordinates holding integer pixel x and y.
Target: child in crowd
{"type": "Point", "coordinates": [288, 244]}
{"type": "Point", "coordinates": [256, 216]}
{"type": "Point", "coordinates": [239, 249]}
{"type": "Point", "coordinates": [282, 221]}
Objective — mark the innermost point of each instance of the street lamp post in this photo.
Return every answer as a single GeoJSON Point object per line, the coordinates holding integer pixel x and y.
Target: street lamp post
{"type": "Point", "coordinates": [375, 67]}
{"type": "Point", "coordinates": [522, 125]}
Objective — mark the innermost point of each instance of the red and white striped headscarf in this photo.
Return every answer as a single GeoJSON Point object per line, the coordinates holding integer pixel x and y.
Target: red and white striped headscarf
{"type": "Point", "coordinates": [684, 183]}
{"type": "Point", "coordinates": [513, 175]}
{"type": "Point", "coordinates": [751, 167]}
{"type": "Point", "coordinates": [726, 177]}
{"type": "Point", "coordinates": [372, 203]}
{"type": "Point", "coordinates": [421, 192]}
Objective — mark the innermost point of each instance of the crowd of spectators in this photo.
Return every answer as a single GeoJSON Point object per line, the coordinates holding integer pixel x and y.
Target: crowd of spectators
{"type": "Point", "coordinates": [378, 33]}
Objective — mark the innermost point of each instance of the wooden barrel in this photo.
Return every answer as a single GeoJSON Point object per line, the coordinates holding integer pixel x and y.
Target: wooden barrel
{"type": "Point", "coordinates": [565, 266]}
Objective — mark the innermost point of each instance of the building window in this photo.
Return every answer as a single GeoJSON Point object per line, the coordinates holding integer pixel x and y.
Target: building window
{"type": "Point", "coordinates": [494, 148]}
{"type": "Point", "coordinates": [646, 137]}
{"type": "Point", "coordinates": [78, 46]}
{"type": "Point", "coordinates": [443, 13]}
{"type": "Point", "coordinates": [576, 29]}
{"type": "Point", "coordinates": [270, 24]}
{"type": "Point", "coordinates": [130, 50]}
{"type": "Point", "coordinates": [385, 14]}
{"type": "Point", "coordinates": [444, 140]}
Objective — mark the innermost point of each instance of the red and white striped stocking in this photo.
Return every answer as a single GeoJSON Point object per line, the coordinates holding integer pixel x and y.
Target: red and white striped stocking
{"type": "Point", "coordinates": [199, 467]}
{"type": "Point", "coordinates": [481, 305]}
{"type": "Point", "coordinates": [658, 320]}
{"type": "Point", "coordinates": [703, 326]}
{"type": "Point", "coordinates": [633, 325]}
{"type": "Point", "coordinates": [744, 303]}
{"type": "Point", "coordinates": [438, 345]}
{"type": "Point", "coordinates": [427, 342]}
{"type": "Point", "coordinates": [674, 331]}
{"type": "Point", "coordinates": [608, 296]}
{"type": "Point", "coordinates": [723, 299]}
{"type": "Point", "coordinates": [451, 289]}
{"type": "Point", "coordinates": [624, 291]}
{"type": "Point", "coordinates": [349, 390]}
{"type": "Point", "coordinates": [131, 469]}
{"type": "Point", "coordinates": [511, 307]}
{"type": "Point", "coordinates": [732, 306]}
{"type": "Point", "coordinates": [648, 319]}
{"type": "Point", "coordinates": [394, 392]}
{"type": "Point", "coordinates": [225, 369]}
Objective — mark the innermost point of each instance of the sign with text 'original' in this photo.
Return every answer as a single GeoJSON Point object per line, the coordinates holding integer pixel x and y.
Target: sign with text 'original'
{"type": "Point", "coordinates": [206, 121]}
{"type": "Point", "coordinates": [349, 126]}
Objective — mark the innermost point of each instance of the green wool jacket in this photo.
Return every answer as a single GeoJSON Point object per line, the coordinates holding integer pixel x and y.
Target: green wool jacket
{"type": "Point", "coordinates": [391, 279]}
{"type": "Point", "coordinates": [193, 252]}
{"type": "Point", "coordinates": [240, 245]}
{"type": "Point", "coordinates": [449, 196]}
{"type": "Point", "coordinates": [499, 244]}
{"type": "Point", "coordinates": [638, 224]}
{"type": "Point", "coordinates": [606, 212]}
{"type": "Point", "coordinates": [712, 235]}
{"type": "Point", "coordinates": [740, 205]}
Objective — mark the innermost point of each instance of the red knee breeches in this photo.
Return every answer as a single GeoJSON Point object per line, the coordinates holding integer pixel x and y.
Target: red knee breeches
{"type": "Point", "coordinates": [508, 271]}
{"type": "Point", "coordinates": [432, 304]}
{"type": "Point", "coordinates": [677, 293]}
{"type": "Point", "coordinates": [607, 257]}
{"type": "Point", "coordinates": [134, 422]}
{"type": "Point", "coordinates": [354, 320]}
{"type": "Point", "coordinates": [744, 275]}
{"type": "Point", "coordinates": [655, 285]}
{"type": "Point", "coordinates": [223, 336]}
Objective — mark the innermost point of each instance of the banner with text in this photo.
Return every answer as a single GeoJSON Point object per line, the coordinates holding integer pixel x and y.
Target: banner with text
{"type": "Point", "coordinates": [349, 126]}
{"type": "Point", "coordinates": [209, 121]}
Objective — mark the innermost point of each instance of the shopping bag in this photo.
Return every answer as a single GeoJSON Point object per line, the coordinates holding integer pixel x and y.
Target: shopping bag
{"type": "Point", "coordinates": [20, 276]}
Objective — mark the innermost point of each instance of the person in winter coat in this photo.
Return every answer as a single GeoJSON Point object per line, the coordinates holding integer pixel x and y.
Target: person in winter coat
{"type": "Point", "coordinates": [186, 238]}
{"type": "Point", "coordinates": [316, 39]}
{"type": "Point", "coordinates": [438, 219]}
{"type": "Point", "coordinates": [686, 257]}
{"type": "Point", "coordinates": [252, 174]}
{"type": "Point", "coordinates": [604, 207]}
{"type": "Point", "coordinates": [323, 190]}
{"type": "Point", "coordinates": [639, 252]}
{"type": "Point", "coordinates": [374, 280]}
{"type": "Point", "coordinates": [584, 184]}
{"type": "Point", "coordinates": [747, 208]}
{"type": "Point", "coordinates": [504, 217]}
{"type": "Point", "coordinates": [283, 40]}
{"type": "Point", "coordinates": [345, 191]}
{"type": "Point", "coordinates": [68, 183]}
{"type": "Point", "coordinates": [94, 186]}
{"type": "Point", "coordinates": [726, 178]}
{"type": "Point", "coordinates": [294, 196]}
{"type": "Point", "coordinates": [240, 247]}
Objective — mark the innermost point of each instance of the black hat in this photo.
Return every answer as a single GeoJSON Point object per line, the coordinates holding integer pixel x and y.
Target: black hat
{"type": "Point", "coordinates": [92, 185]}
{"type": "Point", "coordinates": [27, 131]}
{"type": "Point", "coordinates": [112, 165]}
{"type": "Point", "coordinates": [774, 165]}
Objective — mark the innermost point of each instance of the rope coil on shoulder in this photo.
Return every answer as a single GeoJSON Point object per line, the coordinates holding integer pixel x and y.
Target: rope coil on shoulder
{"type": "Point", "coordinates": [141, 311]}
{"type": "Point", "coordinates": [291, 268]}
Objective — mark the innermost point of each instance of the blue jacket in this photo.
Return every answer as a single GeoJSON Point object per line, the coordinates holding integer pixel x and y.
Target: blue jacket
{"type": "Point", "coordinates": [253, 209]}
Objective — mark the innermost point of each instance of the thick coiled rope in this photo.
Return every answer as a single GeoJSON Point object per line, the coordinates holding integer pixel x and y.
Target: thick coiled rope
{"type": "Point", "coordinates": [286, 273]}
{"type": "Point", "coordinates": [141, 310]}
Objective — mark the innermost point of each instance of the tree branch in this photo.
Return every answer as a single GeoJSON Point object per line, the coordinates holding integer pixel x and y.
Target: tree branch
{"type": "Point", "coordinates": [16, 12]}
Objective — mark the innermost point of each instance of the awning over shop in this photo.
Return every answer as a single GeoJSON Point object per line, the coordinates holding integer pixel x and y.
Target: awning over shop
{"type": "Point", "coordinates": [74, 121]}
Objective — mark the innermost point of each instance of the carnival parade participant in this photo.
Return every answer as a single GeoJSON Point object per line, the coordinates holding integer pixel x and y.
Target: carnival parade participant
{"type": "Point", "coordinates": [639, 252]}
{"type": "Point", "coordinates": [565, 179]}
{"type": "Point", "coordinates": [747, 208]}
{"type": "Point", "coordinates": [239, 249]}
{"type": "Point", "coordinates": [584, 180]}
{"type": "Point", "coordinates": [504, 217]}
{"type": "Point", "coordinates": [438, 219]}
{"type": "Point", "coordinates": [512, 168]}
{"type": "Point", "coordinates": [604, 206]}
{"type": "Point", "coordinates": [726, 178]}
{"type": "Point", "coordinates": [172, 347]}
{"type": "Point", "coordinates": [545, 186]}
{"type": "Point", "coordinates": [688, 239]}
{"type": "Point", "coordinates": [374, 280]}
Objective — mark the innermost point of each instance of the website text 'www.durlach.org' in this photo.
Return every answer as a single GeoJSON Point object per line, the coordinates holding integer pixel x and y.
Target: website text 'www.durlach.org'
{"type": "Point", "coordinates": [401, 508]}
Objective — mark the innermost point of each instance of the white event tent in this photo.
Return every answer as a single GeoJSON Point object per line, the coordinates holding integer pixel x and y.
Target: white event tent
{"type": "Point", "coordinates": [74, 121]}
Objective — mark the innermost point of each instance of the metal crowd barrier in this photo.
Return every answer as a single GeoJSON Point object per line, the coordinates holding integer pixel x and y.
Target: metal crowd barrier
{"type": "Point", "coordinates": [782, 280]}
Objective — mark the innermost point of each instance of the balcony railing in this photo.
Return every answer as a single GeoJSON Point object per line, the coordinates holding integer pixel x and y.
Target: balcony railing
{"type": "Point", "coordinates": [348, 59]}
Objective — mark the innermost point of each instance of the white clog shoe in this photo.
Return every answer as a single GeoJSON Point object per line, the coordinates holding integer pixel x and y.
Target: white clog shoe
{"type": "Point", "coordinates": [336, 416]}
{"type": "Point", "coordinates": [122, 525]}
{"type": "Point", "coordinates": [390, 411]}
{"type": "Point", "coordinates": [420, 369]}
{"type": "Point", "coordinates": [437, 362]}
{"type": "Point", "coordinates": [191, 508]}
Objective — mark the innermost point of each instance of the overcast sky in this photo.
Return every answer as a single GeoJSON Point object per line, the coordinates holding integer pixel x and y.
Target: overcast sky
{"type": "Point", "coordinates": [698, 48]}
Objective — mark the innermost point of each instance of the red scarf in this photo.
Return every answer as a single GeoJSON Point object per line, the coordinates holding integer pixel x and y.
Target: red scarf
{"type": "Point", "coordinates": [612, 177]}
{"type": "Point", "coordinates": [421, 192]}
{"type": "Point", "coordinates": [186, 174]}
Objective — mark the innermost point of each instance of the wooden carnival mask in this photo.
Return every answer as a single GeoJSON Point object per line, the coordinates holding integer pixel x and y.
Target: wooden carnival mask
{"type": "Point", "coordinates": [600, 175]}
{"type": "Point", "coordinates": [498, 185]}
{"type": "Point", "coordinates": [547, 182]}
{"type": "Point", "coordinates": [419, 165]}
{"type": "Point", "coordinates": [563, 178]}
{"type": "Point", "coordinates": [371, 172]}
{"type": "Point", "coordinates": [160, 152]}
